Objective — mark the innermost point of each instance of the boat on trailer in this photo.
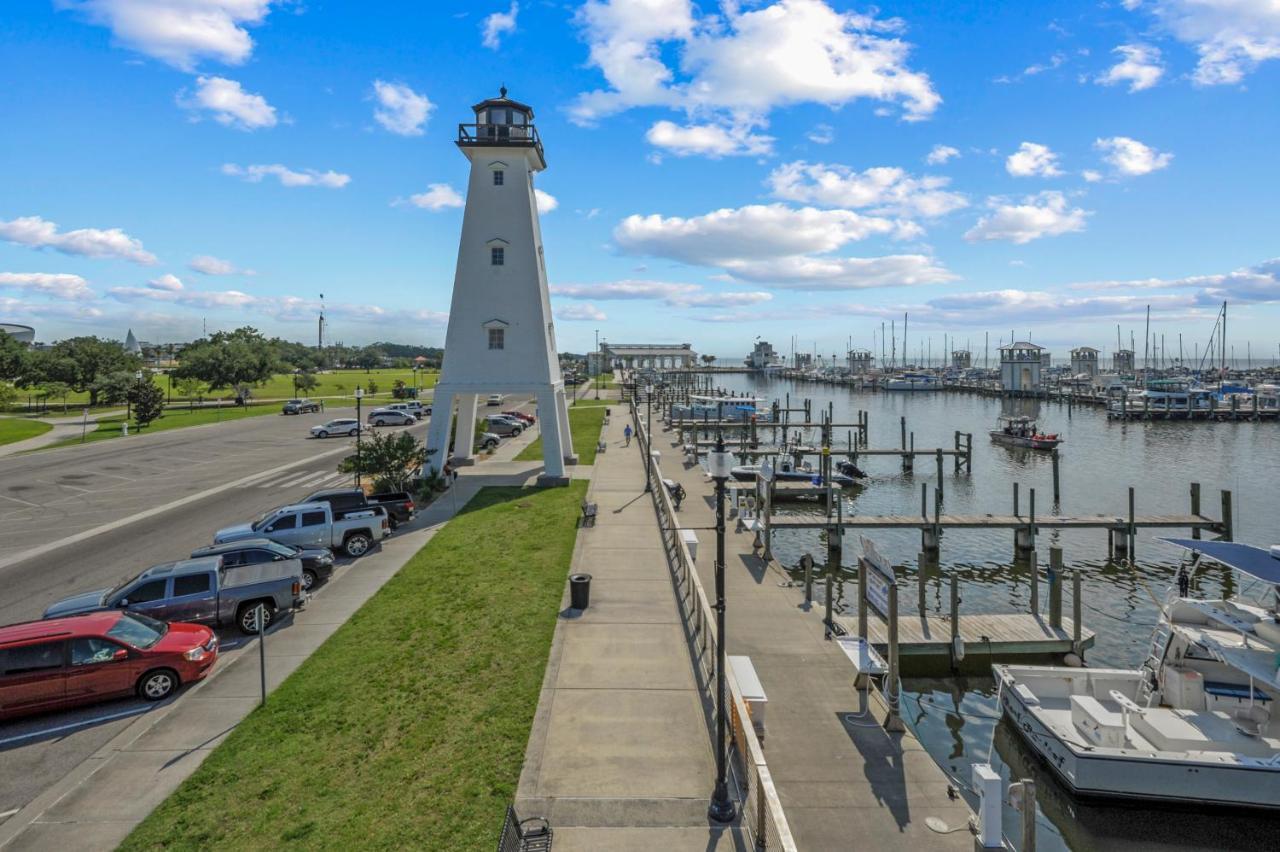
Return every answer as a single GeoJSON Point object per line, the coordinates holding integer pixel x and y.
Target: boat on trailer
{"type": "Point", "coordinates": [1022, 431]}
{"type": "Point", "coordinates": [1195, 723]}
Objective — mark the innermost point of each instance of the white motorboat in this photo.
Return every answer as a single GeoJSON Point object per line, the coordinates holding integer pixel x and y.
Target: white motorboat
{"type": "Point", "coordinates": [1195, 723]}
{"type": "Point", "coordinates": [1022, 431]}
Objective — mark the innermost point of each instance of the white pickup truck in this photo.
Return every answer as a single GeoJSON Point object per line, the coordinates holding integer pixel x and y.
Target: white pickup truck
{"type": "Point", "coordinates": [313, 525]}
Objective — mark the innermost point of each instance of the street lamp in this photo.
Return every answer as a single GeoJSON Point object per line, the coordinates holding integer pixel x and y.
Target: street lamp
{"type": "Point", "coordinates": [648, 434]}
{"type": "Point", "coordinates": [720, 462]}
{"type": "Point", "coordinates": [599, 363]}
{"type": "Point", "coordinates": [128, 397]}
{"type": "Point", "coordinates": [359, 432]}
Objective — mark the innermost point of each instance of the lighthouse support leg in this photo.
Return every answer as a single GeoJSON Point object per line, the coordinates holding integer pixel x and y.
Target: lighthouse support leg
{"type": "Point", "coordinates": [464, 445]}
{"type": "Point", "coordinates": [552, 454]}
{"type": "Point", "coordinates": [438, 435]}
{"type": "Point", "coordinates": [566, 435]}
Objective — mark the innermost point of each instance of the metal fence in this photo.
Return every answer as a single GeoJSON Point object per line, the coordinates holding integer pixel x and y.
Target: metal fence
{"type": "Point", "coordinates": [761, 810]}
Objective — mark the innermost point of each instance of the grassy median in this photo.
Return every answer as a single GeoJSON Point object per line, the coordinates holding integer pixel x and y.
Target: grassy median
{"type": "Point", "coordinates": [13, 429]}
{"type": "Point", "coordinates": [584, 423]}
{"type": "Point", "coordinates": [407, 728]}
{"type": "Point", "coordinates": [174, 418]}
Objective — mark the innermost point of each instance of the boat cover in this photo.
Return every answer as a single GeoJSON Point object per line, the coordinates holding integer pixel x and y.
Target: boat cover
{"type": "Point", "coordinates": [1251, 560]}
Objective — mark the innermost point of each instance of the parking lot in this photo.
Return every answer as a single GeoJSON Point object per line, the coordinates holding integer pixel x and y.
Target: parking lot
{"type": "Point", "coordinates": [83, 518]}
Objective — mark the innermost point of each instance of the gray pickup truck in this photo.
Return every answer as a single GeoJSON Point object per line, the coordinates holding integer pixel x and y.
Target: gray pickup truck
{"type": "Point", "coordinates": [199, 590]}
{"type": "Point", "coordinates": [313, 525]}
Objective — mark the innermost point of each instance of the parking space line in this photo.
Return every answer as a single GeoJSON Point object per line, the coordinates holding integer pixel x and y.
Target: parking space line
{"type": "Point", "coordinates": [71, 726]}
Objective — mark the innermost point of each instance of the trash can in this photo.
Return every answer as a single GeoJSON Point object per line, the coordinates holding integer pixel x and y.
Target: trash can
{"type": "Point", "coordinates": [580, 591]}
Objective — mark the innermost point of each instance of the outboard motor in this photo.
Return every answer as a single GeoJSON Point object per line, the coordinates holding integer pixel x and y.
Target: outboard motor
{"type": "Point", "coordinates": [850, 469]}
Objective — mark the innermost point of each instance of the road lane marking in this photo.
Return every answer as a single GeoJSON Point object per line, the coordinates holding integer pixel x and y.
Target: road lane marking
{"type": "Point", "coordinates": [71, 726]}
{"type": "Point", "coordinates": [51, 546]}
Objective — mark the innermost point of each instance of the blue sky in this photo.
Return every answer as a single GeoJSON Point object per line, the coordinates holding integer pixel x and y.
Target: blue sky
{"type": "Point", "coordinates": [717, 171]}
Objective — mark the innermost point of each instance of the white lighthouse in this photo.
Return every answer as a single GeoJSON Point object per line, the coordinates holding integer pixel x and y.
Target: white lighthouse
{"type": "Point", "coordinates": [501, 338]}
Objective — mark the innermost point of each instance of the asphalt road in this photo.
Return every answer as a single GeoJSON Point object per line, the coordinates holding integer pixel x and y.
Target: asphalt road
{"type": "Point", "coordinates": [89, 516]}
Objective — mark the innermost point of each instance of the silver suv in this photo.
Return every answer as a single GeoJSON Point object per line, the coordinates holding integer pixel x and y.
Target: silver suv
{"type": "Point", "coordinates": [505, 426]}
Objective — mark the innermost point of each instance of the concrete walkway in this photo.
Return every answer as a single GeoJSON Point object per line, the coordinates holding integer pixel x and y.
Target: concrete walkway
{"type": "Point", "coordinates": [155, 753]}
{"type": "Point", "coordinates": [842, 779]}
{"type": "Point", "coordinates": [620, 757]}
{"type": "Point", "coordinates": [63, 427]}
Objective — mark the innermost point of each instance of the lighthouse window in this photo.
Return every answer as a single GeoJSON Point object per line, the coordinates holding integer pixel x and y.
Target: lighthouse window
{"type": "Point", "coordinates": [496, 256]}
{"type": "Point", "coordinates": [497, 338]}
{"type": "Point", "coordinates": [497, 177]}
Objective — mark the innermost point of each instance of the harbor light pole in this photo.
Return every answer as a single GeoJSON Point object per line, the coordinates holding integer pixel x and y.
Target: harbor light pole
{"type": "Point", "coordinates": [721, 463]}
{"type": "Point", "coordinates": [599, 364]}
{"type": "Point", "coordinates": [648, 437]}
{"type": "Point", "coordinates": [359, 432]}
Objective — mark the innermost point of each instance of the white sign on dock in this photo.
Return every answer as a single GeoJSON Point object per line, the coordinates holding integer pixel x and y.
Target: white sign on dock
{"type": "Point", "coordinates": [878, 578]}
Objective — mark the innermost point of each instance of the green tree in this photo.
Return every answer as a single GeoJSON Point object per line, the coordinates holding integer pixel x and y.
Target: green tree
{"type": "Point", "coordinates": [111, 389]}
{"type": "Point", "coordinates": [13, 357]}
{"type": "Point", "coordinates": [388, 457]}
{"type": "Point", "coordinates": [147, 399]}
{"type": "Point", "coordinates": [371, 387]}
{"type": "Point", "coordinates": [8, 395]}
{"type": "Point", "coordinates": [230, 359]}
{"type": "Point", "coordinates": [369, 357]}
{"type": "Point", "coordinates": [191, 388]}
{"type": "Point", "coordinates": [80, 362]}
{"type": "Point", "coordinates": [56, 390]}
{"type": "Point", "coordinates": [307, 381]}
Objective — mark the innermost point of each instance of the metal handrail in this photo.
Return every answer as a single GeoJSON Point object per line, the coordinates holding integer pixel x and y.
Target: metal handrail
{"type": "Point", "coordinates": [768, 824]}
{"type": "Point", "coordinates": [512, 134]}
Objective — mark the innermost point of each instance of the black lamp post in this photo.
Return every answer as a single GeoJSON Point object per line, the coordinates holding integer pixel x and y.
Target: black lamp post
{"type": "Point", "coordinates": [721, 810]}
{"type": "Point", "coordinates": [359, 432]}
{"type": "Point", "coordinates": [648, 434]}
{"type": "Point", "coordinates": [599, 364]}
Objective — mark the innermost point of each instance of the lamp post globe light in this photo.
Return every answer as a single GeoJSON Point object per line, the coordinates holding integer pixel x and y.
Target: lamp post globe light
{"type": "Point", "coordinates": [720, 463]}
{"type": "Point", "coordinates": [359, 432]}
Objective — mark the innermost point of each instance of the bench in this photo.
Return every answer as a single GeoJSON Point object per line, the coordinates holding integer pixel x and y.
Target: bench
{"type": "Point", "coordinates": [524, 835]}
{"type": "Point", "coordinates": [588, 514]}
{"type": "Point", "coordinates": [601, 447]}
{"type": "Point", "coordinates": [752, 692]}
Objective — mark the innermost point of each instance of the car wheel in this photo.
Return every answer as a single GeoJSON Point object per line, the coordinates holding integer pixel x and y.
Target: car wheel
{"type": "Point", "coordinates": [357, 545]}
{"type": "Point", "coordinates": [379, 423]}
{"type": "Point", "coordinates": [247, 618]}
{"type": "Point", "coordinates": [353, 432]}
{"type": "Point", "coordinates": [157, 684]}
{"type": "Point", "coordinates": [322, 434]}
{"type": "Point", "coordinates": [309, 579]}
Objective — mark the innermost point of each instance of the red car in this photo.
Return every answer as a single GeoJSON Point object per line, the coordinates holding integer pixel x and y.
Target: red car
{"type": "Point", "coordinates": [520, 415]}
{"type": "Point", "coordinates": [82, 659]}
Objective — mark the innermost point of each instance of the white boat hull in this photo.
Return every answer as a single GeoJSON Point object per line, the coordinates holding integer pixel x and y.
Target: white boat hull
{"type": "Point", "coordinates": [1138, 776]}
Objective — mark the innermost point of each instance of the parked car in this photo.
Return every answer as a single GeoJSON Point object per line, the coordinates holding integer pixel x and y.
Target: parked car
{"type": "Point", "coordinates": [390, 417]}
{"type": "Point", "coordinates": [399, 505]}
{"type": "Point", "coordinates": [488, 441]}
{"type": "Point", "coordinates": [529, 419]}
{"type": "Point", "coordinates": [84, 659]}
{"type": "Point", "coordinates": [200, 591]}
{"type": "Point", "coordinates": [496, 399]}
{"type": "Point", "coordinates": [300, 406]}
{"type": "Point", "coordinates": [507, 427]}
{"type": "Point", "coordinates": [314, 525]}
{"type": "Point", "coordinates": [341, 426]}
{"type": "Point", "coordinates": [317, 563]}
{"type": "Point", "coordinates": [417, 409]}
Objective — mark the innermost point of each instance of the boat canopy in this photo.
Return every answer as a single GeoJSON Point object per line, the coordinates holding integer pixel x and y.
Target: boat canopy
{"type": "Point", "coordinates": [1245, 558]}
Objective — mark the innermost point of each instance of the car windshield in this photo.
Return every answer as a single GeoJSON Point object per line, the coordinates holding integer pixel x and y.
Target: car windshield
{"type": "Point", "coordinates": [261, 520]}
{"type": "Point", "coordinates": [293, 402]}
{"type": "Point", "coordinates": [138, 630]}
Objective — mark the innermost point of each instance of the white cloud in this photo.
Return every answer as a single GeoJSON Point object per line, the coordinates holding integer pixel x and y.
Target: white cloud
{"type": "Point", "coordinates": [1131, 158]}
{"type": "Point", "coordinates": [1055, 61]}
{"type": "Point", "coordinates": [807, 272]}
{"type": "Point", "coordinates": [1232, 37]}
{"type": "Point", "coordinates": [883, 190]}
{"type": "Point", "coordinates": [939, 154]}
{"type": "Point", "coordinates": [1091, 175]}
{"type": "Point", "coordinates": [1032, 159]}
{"type": "Point", "coordinates": [821, 134]}
{"type": "Point", "coordinates": [439, 196]}
{"type": "Point", "coordinates": [673, 294]}
{"type": "Point", "coordinates": [710, 140]}
{"type": "Point", "coordinates": [36, 232]}
{"type": "Point", "coordinates": [587, 312]}
{"type": "Point", "coordinates": [546, 201]}
{"type": "Point", "coordinates": [229, 104]}
{"type": "Point", "coordinates": [179, 33]}
{"type": "Point", "coordinates": [182, 296]}
{"type": "Point", "coordinates": [498, 24]}
{"type": "Point", "coordinates": [1139, 66]}
{"type": "Point", "coordinates": [1046, 214]}
{"type": "Point", "coordinates": [400, 109]}
{"type": "Point", "coordinates": [58, 285]}
{"type": "Point", "coordinates": [1258, 283]}
{"type": "Point", "coordinates": [288, 176]}
{"type": "Point", "coordinates": [742, 64]}
{"type": "Point", "coordinates": [208, 265]}
{"type": "Point", "coordinates": [168, 281]}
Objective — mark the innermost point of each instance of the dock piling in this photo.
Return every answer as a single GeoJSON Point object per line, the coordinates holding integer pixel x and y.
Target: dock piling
{"type": "Point", "coordinates": [1077, 613]}
{"type": "Point", "coordinates": [893, 686]}
{"type": "Point", "coordinates": [1055, 587]}
{"type": "Point", "coordinates": [1195, 506]}
{"type": "Point", "coordinates": [1131, 535]}
{"type": "Point", "coordinates": [1228, 525]}
{"type": "Point", "coordinates": [940, 486]}
{"type": "Point", "coordinates": [1056, 492]}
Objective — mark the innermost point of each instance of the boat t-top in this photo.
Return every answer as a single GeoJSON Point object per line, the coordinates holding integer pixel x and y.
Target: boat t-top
{"type": "Point", "coordinates": [1022, 431]}
{"type": "Point", "coordinates": [1195, 723]}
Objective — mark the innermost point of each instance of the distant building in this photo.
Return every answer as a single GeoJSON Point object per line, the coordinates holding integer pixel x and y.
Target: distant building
{"type": "Point", "coordinates": [1020, 367]}
{"type": "Point", "coordinates": [860, 361]}
{"type": "Point", "coordinates": [961, 359]}
{"type": "Point", "coordinates": [131, 344]}
{"type": "Point", "coordinates": [1084, 361]}
{"type": "Point", "coordinates": [762, 356]}
{"type": "Point", "coordinates": [648, 356]}
{"type": "Point", "coordinates": [803, 360]}
{"type": "Point", "coordinates": [22, 333]}
{"type": "Point", "coordinates": [1122, 362]}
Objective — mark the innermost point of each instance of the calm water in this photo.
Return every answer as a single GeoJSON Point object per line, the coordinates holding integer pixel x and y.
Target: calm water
{"type": "Point", "coordinates": [1099, 461]}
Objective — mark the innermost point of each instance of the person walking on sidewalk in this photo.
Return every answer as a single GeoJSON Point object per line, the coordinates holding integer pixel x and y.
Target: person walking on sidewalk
{"type": "Point", "coordinates": [626, 433]}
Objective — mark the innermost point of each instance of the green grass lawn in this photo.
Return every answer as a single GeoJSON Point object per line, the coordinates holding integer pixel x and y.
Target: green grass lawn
{"type": "Point", "coordinates": [585, 421]}
{"type": "Point", "coordinates": [174, 418]}
{"type": "Point", "coordinates": [13, 429]}
{"type": "Point", "coordinates": [407, 728]}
